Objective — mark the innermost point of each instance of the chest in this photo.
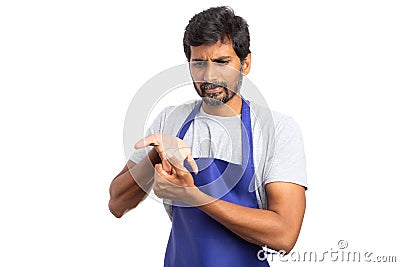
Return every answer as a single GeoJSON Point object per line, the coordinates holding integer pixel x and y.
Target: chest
{"type": "Point", "coordinates": [219, 139]}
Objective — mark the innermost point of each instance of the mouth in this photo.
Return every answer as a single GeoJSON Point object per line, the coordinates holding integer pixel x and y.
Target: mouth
{"type": "Point", "coordinates": [214, 91]}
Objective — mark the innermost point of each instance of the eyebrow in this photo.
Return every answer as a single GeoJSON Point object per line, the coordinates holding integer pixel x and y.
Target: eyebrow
{"type": "Point", "coordinates": [214, 59]}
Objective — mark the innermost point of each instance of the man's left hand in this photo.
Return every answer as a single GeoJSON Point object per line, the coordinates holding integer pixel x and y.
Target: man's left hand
{"type": "Point", "coordinates": [179, 185]}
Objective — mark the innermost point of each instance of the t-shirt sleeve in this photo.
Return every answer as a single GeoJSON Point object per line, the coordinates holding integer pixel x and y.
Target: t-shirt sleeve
{"type": "Point", "coordinates": [156, 127]}
{"type": "Point", "coordinates": [289, 163]}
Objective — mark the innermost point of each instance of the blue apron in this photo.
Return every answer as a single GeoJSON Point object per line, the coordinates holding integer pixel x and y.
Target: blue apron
{"type": "Point", "coordinates": [196, 239]}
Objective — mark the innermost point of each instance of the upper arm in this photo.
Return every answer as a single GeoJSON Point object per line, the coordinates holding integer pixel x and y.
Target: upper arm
{"type": "Point", "coordinates": [289, 201]}
{"type": "Point", "coordinates": [289, 162]}
{"type": "Point", "coordinates": [129, 164]}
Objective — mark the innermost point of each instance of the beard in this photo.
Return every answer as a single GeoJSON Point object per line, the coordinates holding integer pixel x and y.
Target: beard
{"type": "Point", "coordinates": [222, 97]}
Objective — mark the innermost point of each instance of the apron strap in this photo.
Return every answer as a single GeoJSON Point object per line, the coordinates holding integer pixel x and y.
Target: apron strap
{"type": "Point", "coordinates": [247, 136]}
{"type": "Point", "coordinates": [185, 126]}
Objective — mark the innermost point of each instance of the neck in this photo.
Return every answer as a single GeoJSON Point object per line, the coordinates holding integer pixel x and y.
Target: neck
{"type": "Point", "coordinates": [231, 108]}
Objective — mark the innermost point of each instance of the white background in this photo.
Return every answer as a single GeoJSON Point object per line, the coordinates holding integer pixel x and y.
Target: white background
{"type": "Point", "coordinates": [69, 69]}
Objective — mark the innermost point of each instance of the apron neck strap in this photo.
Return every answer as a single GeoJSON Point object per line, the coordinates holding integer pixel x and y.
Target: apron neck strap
{"type": "Point", "coordinates": [247, 136]}
{"type": "Point", "coordinates": [188, 121]}
{"type": "Point", "coordinates": [246, 119]}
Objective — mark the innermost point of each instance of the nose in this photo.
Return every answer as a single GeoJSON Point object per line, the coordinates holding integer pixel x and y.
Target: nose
{"type": "Point", "coordinates": [210, 73]}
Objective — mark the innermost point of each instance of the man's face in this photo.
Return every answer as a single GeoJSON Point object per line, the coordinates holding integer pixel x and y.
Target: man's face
{"type": "Point", "coordinates": [216, 72]}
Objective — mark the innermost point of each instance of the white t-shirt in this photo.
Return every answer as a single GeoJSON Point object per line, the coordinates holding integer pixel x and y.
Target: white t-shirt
{"type": "Point", "coordinates": [278, 151]}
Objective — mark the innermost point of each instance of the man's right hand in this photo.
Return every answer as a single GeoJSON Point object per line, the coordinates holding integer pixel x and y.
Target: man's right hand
{"type": "Point", "coordinates": [171, 149]}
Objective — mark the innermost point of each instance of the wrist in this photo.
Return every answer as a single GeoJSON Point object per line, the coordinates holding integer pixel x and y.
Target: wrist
{"type": "Point", "coordinates": [198, 198]}
{"type": "Point", "coordinates": [154, 157]}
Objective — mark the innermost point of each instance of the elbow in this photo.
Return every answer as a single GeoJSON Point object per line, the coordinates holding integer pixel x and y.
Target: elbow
{"type": "Point", "coordinates": [114, 210]}
{"type": "Point", "coordinates": [118, 209]}
{"type": "Point", "coordinates": [114, 204]}
{"type": "Point", "coordinates": [286, 247]}
{"type": "Point", "coordinates": [121, 203]}
{"type": "Point", "coordinates": [283, 243]}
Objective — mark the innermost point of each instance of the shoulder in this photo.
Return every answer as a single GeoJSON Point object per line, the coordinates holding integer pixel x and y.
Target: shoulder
{"type": "Point", "coordinates": [285, 126]}
{"type": "Point", "coordinates": [263, 113]}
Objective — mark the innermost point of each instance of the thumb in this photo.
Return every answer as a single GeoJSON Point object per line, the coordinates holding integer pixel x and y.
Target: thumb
{"type": "Point", "coordinates": [159, 169]}
{"type": "Point", "coordinates": [192, 164]}
{"type": "Point", "coordinates": [181, 171]}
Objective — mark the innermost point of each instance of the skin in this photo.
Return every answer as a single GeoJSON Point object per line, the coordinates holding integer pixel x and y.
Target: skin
{"type": "Point", "coordinates": [277, 227]}
{"type": "Point", "coordinates": [218, 63]}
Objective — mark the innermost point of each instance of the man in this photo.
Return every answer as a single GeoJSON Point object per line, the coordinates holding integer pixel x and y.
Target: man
{"type": "Point", "coordinates": [244, 185]}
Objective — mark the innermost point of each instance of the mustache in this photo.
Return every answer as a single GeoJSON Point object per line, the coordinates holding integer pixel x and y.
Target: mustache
{"type": "Point", "coordinates": [207, 86]}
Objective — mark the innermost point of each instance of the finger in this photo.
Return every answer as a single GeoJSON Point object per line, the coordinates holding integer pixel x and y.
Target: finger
{"type": "Point", "coordinates": [173, 171]}
{"type": "Point", "coordinates": [181, 171]}
{"type": "Point", "coordinates": [174, 161]}
{"type": "Point", "coordinates": [166, 166]}
{"type": "Point", "coordinates": [147, 141]}
{"type": "Point", "coordinates": [161, 152]}
{"type": "Point", "coordinates": [160, 170]}
{"type": "Point", "coordinates": [192, 163]}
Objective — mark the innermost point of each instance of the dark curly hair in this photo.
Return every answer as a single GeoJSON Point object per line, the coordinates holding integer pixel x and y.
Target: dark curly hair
{"type": "Point", "coordinates": [217, 24]}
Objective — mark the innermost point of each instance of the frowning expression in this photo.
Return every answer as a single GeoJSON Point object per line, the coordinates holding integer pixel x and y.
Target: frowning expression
{"type": "Point", "coordinates": [217, 72]}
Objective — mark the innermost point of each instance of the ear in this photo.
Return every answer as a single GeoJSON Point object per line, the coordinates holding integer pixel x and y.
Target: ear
{"type": "Point", "coordinates": [246, 64]}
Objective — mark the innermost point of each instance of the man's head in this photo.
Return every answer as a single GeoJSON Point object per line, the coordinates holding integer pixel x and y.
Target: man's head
{"type": "Point", "coordinates": [217, 45]}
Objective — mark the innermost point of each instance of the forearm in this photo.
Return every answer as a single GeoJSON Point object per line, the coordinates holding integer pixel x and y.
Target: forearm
{"type": "Point", "coordinates": [130, 187]}
{"type": "Point", "coordinates": [261, 227]}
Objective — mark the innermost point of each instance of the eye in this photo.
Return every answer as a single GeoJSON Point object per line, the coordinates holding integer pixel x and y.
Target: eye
{"type": "Point", "coordinates": [221, 62]}
{"type": "Point", "coordinates": [199, 64]}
